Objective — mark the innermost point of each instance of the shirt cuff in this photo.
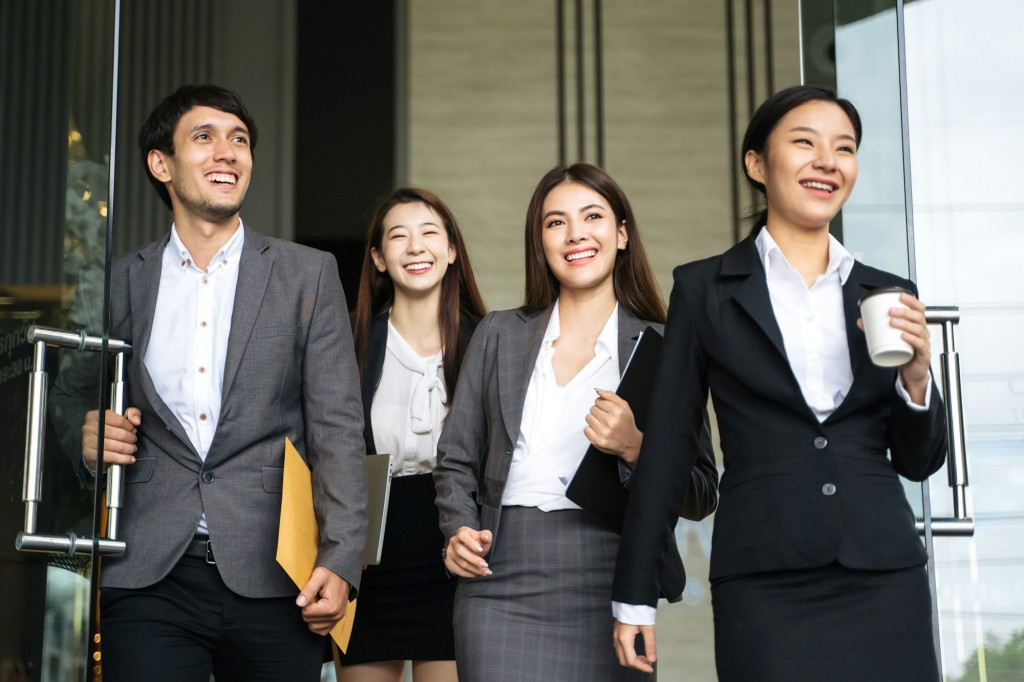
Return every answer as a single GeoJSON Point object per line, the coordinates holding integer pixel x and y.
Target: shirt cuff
{"type": "Point", "coordinates": [633, 614]}
{"type": "Point", "coordinates": [901, 391]}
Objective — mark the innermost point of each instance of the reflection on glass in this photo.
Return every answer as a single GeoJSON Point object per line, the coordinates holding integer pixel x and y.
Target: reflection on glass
{"type": "Point", "coordinates": [55, 60]}
{"type": "Point", "coordinates": [962, 59]}
{"type": "Point", "coordinates": [962, 62]}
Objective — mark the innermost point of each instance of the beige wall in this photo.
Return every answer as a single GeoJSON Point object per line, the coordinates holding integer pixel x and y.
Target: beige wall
{"type": "Point", "coordinates": [482, 115]}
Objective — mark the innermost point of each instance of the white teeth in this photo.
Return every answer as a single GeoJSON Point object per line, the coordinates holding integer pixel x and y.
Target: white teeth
{"type": "Point", "coordinates": [818, 185]}
{"type": "Point", "coordinates": [581, 254]}
{"type": "Point", "coordinates": [415, 267]}
{"type": "Point", "coordinates": [221, 178]}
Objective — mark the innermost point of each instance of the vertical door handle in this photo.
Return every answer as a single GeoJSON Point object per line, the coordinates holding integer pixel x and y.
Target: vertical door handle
{"type": "Point", "coordinates": [961, 523]}
{"type": "Point", "coordinates": [28, 539]}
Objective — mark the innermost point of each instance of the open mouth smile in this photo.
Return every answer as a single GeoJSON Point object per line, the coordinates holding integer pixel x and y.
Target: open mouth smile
{"type": "Point", "coordinates": [580, 255]}
{"type": "Point", "coordinates": [823, 186]}
{"type": "Point", "coordinates": [222, 178]}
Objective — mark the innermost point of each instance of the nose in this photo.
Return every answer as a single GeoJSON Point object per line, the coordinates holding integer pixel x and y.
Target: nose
{"type": "Point", "coordinates": [223, 150]}
{"type": "Point", "coordinates": [415, 245]}
{"type": "Point", "coordinates": [576, 232]}
{"type": "Point", "coordinates": [826, 159]}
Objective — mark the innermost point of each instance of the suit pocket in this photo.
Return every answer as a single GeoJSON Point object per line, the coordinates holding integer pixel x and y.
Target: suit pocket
{"type": "Point", "coordinates": [273, 479]}
{"type": "Point", "coordinates": [271, 331]}
{"type": "Point", "coordinates": [141, 471]}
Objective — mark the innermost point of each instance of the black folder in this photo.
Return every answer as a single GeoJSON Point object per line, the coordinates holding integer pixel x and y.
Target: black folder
{"type": "Point", "coordinates": [596, 485]}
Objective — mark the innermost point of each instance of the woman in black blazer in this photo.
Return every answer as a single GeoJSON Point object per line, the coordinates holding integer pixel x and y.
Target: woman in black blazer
{"type": "Point", "coordinates": [418, 304]}
{"type": "Point", "coordinates": [817, 572]}
{"type": "Point", "coordinates": [533, 602]}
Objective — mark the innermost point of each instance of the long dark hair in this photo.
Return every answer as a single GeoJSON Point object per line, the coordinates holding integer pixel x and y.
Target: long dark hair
{"type": "Point", "coordinates": [768, 115]}
{"type": "Point", "coordinates": [460, 304]}
{"type": "Point", "coordinates": [632, 278]}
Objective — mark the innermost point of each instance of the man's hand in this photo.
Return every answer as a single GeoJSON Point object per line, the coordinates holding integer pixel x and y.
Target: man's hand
{"type": "Point", "coordinates": [466, 551]}
{"type": "Point", "coordinates": [323, 599]}
{"type": "Point", "coordinates": [118, 437]}
{"type": "Point", "coordinates": [625, 646]}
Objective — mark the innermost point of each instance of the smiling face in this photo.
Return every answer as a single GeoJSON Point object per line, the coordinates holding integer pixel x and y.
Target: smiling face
{"type": "Point", "coordinates": [808, 168]}
{"type": "Point", "coordinates": [414, 249]}
{"type": "Point", "coordinates": [208, 174]}
{"type": "Point", "coordinates": [581, 237]}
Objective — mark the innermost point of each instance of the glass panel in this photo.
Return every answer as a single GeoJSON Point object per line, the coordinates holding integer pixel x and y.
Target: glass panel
{"type": "Point", "coordinates": [55, 64]}
{"type": "Point", "coordinates": [960, 58]}
{"type": "Point", "coordinates": [964, 62]}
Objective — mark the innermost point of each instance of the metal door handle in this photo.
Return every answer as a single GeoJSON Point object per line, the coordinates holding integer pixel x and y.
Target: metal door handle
{"type": "Point", "coordinates": [28, 539]}
{"type": "Point", "coordinates": [961, 523]}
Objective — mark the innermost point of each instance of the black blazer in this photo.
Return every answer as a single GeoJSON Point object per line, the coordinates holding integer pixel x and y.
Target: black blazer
{"type": "Point", "coordinates": [376, 345]}
{"type": "Point", "coordinates": [796, 493]}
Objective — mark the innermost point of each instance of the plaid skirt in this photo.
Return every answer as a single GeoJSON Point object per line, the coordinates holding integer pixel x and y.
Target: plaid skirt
{"type": "Point", "coordinates": [545, 613]}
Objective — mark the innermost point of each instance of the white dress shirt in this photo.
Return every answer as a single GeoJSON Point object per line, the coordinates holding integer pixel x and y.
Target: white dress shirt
{"type": "Point", "coordinates": [408, 407]}
{"type": "Point", "coordinates": [189, 339]}
{"type": "Point", "coordinates": [551, 442]}
{"type": "Point", "coordinates": [813, 325]}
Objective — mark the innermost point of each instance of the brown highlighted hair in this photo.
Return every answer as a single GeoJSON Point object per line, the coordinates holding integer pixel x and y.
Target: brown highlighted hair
{"type": "Point", "coordinates": [461, 302]}
{"type": "Point", "coordinates": [633, 280]}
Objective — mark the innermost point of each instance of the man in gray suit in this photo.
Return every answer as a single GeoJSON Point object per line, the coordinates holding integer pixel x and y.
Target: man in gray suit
{"type": "Point", "coordinates": [239, 341]}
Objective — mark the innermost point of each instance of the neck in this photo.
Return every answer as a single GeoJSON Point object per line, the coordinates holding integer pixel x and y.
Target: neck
{"type": "Point", "coordinates": [418, 320]}
{"type": "Point", "coordinates": [806, 250]}
{"type": "Point", "coordinates": [585, 309]}
{"type": "Point", "coordinates": [204, 238]}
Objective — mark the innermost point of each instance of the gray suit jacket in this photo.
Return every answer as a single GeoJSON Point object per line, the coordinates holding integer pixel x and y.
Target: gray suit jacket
{"type": "Point", "coordinates": [289, 371]}
{"type": "Point", "coordinates": [474, 453]}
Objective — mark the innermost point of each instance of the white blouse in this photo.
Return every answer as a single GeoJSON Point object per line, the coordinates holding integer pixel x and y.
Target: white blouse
{"type": "Point", "coordinates": [409, 407]}
{"type": "Point", "coordinates": [551, 442]}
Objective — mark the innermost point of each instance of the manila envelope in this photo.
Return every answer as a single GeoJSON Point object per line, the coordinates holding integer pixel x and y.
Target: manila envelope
{"type": "Point", "coordinates": [298, 538]}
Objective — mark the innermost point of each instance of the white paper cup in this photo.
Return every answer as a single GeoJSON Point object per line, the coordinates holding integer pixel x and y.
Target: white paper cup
{"type": "Point", "coordinates": [885, 343]}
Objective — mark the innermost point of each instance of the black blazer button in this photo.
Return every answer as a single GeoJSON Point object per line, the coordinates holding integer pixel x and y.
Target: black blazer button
{"type": "Point", "coordinates": [207, 476]}
{"type": "Point", "coordinates": [828, 489]}
{"type": "Point", "coordinates": [820, 442]}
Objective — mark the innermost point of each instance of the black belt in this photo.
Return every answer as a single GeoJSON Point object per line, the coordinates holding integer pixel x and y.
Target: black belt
{"type": "Point", "coordinates": [200, 546]}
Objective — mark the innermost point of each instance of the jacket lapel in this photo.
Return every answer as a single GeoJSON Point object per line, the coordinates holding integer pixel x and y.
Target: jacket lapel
{"type": "Point", "coordinates": [253, 276]}
{"type": "Point", "coordinates": [865, 374]}
{"type": "Point", "coordinates": [855, 287]}
{"type": "Point", "coordinates": [517, 355]}
{"type": "Point", "coordinates": [630, 328]}
{"type": "Point", "coordinates": [143, 291]}
{"type": "Point", "coordinates": [751, 293]}
{"type": "Point", "coordinates": [376, 347]}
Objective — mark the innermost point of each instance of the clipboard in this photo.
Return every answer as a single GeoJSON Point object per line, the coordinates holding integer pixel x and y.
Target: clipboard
{"type": "Point", "coordinates": [378, 491]}
{"type": "Point", "coordinates": [596, 486]}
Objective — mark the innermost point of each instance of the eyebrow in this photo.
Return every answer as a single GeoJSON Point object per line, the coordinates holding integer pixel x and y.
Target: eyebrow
{"type": "Point", "coordinates": [211, 126]}
{"type": "Point", "coordinates": [423, 224]}
{"type": "Point", "coordinates": [588, 207]}
{"type": "Point", "coordinates": [808, 129]}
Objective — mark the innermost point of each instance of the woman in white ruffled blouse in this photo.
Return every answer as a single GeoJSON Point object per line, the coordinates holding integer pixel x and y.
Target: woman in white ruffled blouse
{"type": "Point", "coordinates": [418, 304]}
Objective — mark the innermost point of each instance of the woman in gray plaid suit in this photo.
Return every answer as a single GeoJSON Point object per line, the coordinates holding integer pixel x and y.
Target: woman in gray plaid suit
{"type": "Point", "coordinates": [533, 602]}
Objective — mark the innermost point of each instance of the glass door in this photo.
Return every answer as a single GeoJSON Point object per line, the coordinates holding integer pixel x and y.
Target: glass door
{"type": "Point", "coordinates": [939, 198]}
{"type": "Point", "coordinates": [56, 66]}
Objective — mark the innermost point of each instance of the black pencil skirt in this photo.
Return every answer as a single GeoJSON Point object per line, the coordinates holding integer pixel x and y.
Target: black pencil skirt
{"type": "Point", "coordinates": [404, 610]}
{"type": "Point", "coordinates": [830, 623]}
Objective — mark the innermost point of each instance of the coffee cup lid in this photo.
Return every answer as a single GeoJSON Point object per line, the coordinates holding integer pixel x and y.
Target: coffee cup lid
{"type": "Point", "coordinates": [882, 290]}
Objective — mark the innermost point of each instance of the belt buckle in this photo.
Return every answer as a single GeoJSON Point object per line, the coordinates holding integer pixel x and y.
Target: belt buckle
{"type": "Point", "coordinates": [209, 554]}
